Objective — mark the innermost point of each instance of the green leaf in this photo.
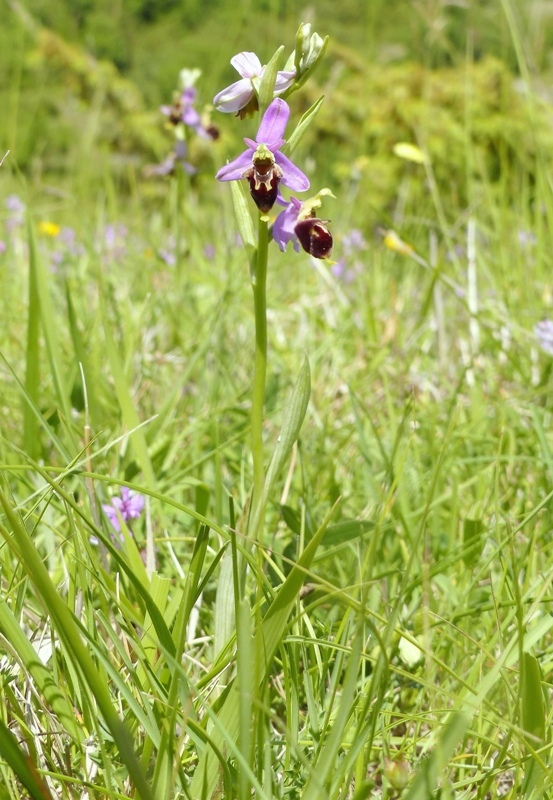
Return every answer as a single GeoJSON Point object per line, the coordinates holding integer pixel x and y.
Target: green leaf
{"type": "Point", "coordinates": [426, 779]}
{"type": "Point", "coordinates": [39, 672]}
{"type": "Point", "coordinates": [83, 358]}
{"type": "Point", "coordinates": [128, 410]}
{"type": "Point", "coordinates": [31, 425]}
{"type": "Point", "coordinates": [329, 755]}
{"type": "Point", "coordinates": [533, 709]}
{"type": "Point", "coordinates": [22, 765]}
{"type": "Point", "coordinates": [268, 637]}
{"type": "Point", "coordinates": [21, 543]}
{"type": "Point", "coordinates": [244, 218]}
{"type": "Point", "coordinates": [533, 722]}
{"type": "Point", "coordinates": [49, 324]}
{"type": "Point", "coordinates": [291, 426]}
{"type": "Point", "coordinates": [473, 542]}
{"type": "Point", "coordinates": [346, 531]}
{"type": "Point", "coordinates": [302, 127]}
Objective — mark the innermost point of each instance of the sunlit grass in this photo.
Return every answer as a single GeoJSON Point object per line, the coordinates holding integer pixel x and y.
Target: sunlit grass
{"type": "Point", "coordinates": [391, 636]}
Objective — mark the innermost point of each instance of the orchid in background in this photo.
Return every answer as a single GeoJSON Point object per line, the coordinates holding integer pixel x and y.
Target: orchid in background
{"type": "Point", "coordinates": [263, 164]}
{"type": "Point", "coordinates": [183, 110]}
{"type": "Point", "coordinates": [186, 122]}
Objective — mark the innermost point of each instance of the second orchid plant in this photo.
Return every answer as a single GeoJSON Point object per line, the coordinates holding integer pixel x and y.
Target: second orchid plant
{"type": "Point", "coordinates": [266, 167]}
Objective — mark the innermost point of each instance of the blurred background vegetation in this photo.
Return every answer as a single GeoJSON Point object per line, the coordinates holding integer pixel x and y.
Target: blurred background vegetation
{"type": "Point", "coordinates": [81, 82]}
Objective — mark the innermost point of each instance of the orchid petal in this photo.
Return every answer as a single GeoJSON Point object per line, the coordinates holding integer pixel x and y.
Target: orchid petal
{"type": "Point", "coordinates": [188, 96]}
{"type": "Point", "coordinates": [251, 144]}
{"type": "Point", "coordinates": [292, 176]}
{"type": "Point", "coordinates": [235, 170]}
{"type": "Point", "coordinates": [135, 505]}
{"type": "Point", "coordinates": [190, 117]}
{"type": "Point", "coordinates": [283, 227]}
{"type": "Point", "coordinates": [274, 123]}
{"type": "Point", "coordinates": [247, 65]}
{"type": "Point", "coordinates": [234, 97]}
{"type": "Point", "coordinates": [284, 80]}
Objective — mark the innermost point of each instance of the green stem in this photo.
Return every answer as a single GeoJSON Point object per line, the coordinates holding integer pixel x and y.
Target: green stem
{"type": "Point", "coordinates": [259, 285]}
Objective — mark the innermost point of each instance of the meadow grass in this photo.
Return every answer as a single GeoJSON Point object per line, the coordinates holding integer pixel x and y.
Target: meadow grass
{"type": "Point", "coordinates": [390, 634]}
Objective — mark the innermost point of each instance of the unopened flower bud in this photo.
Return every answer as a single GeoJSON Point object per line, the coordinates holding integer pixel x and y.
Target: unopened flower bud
{"type": "Point", "coordinates": [310, 48]}
{"type": "Point", "coordinates": [397, 773]}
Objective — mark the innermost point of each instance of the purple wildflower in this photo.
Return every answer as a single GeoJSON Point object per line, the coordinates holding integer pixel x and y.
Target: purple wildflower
{"type": "Point", "coordinates": [348, 266]}
{"type": "Point", "coordinates": [16, 208]}
{"type": "Point", "coordinates": [168, 254]}
{"type": "Point", "coordinates": [263, 164]}
{"type": "Point", "coordinates": [299, 224]}
{"type": "Point", "coordinates": [3, 247]}
{"type": "Point", "coordinates": [127, 507]}
{"type": "Point", "coordinates": [354, 241]}
{"type": "Point", "coordinates": [544, 334]}
{"type": "Point", "coordinates": [242, 95]}
{"type": "Point", "coordinates": [115, 241]}
{"type": "Point", "coordinates": [526, 238]}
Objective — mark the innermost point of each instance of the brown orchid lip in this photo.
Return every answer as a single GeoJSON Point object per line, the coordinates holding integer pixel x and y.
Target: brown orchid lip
{"type": "Point", "coordinates": [314, 236]}
{"type": "Point", "coordinates": [264, 177]}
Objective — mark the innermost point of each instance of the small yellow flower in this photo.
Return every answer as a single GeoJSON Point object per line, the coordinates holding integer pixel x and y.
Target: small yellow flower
{"type": "Point", "coordinates": [49, 228]}
{"type": "Point", "coordinates": [410, 152]}
{"type": "Point", "coordinates": [393, 242]}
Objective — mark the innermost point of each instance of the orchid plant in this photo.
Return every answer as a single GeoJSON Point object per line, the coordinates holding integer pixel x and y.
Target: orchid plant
{"type": "Point", "coordinates": [185, 121]}
{"type": "Point", "coordinates": [265, 165]}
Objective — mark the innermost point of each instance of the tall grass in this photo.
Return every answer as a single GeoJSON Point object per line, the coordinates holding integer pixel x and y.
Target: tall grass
{"type": "Point", "coordinates": [391, 635]}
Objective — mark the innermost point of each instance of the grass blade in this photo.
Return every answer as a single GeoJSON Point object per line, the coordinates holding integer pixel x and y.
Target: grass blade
{"type": "Point", "coordinates": [22, 765]}
{"type": "Point", "coordinates": [22, 544]}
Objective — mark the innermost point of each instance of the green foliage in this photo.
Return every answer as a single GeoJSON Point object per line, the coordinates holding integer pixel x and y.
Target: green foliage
{"type": "Point", "coordinates": [471, 122]}
{"type": "Point", "coordinates": [391, 634]}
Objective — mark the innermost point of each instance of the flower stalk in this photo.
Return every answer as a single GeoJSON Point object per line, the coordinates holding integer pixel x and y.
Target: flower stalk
{"type": "Point", "coordinates": [259, 286]}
